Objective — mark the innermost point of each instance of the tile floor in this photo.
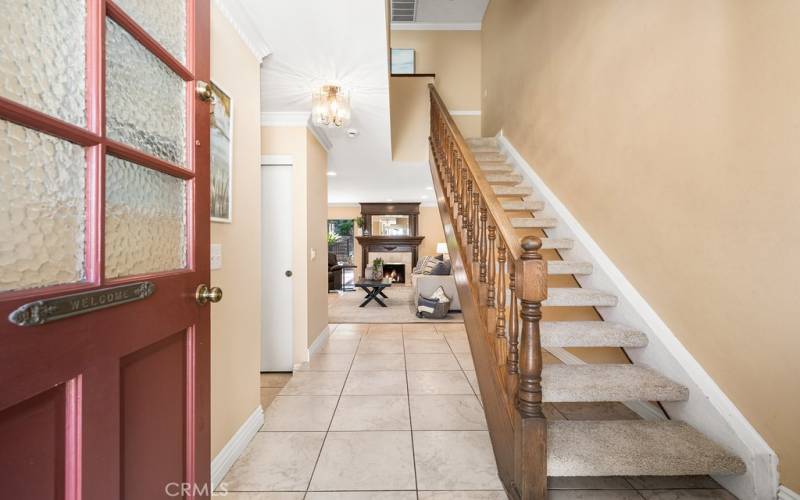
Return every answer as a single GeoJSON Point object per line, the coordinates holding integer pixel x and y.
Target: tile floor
{"type": "Point", "coordinates": [392, 412]}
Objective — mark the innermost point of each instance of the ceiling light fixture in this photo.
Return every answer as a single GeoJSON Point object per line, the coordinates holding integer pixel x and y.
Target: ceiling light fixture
{"type": "Point", "coordinates": [331, 174]}
{"type": "Point", "coordinates": [429, 188]}
{"type": "Point", "coordinates": [330, 106]}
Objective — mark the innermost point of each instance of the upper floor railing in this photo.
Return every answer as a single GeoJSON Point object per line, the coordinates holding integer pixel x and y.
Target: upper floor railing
{"type": "Point", "coordinates": [504, 279]}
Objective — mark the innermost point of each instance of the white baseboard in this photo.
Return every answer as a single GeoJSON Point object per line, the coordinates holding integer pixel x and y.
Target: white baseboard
{"type": "Point", "coordinates": [785, 493]}
{"type": "Point", "coordinates": [317, 345]}
{"type": "Point", "coordinates": [645, 409]}
{"type": "Point", "coordinates": [222, 463]}
{"type": "Point", "coordinates": [708, 409]}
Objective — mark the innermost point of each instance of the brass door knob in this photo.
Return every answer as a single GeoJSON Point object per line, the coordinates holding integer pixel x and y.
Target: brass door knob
{"type": "Point", "coordinates": [206, 294]}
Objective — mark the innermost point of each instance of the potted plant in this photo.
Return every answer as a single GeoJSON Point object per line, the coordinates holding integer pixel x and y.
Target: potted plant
{"type": "Point", "coordinates": [333, 238]}
{"type": "Point", "coordinates": [360, 224]}
{"type": "Point", "coordinates": [377, 269]}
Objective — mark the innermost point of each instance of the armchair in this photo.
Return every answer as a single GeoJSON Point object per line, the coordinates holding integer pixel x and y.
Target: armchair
{"type": "Point", "coordinates": [334, 272]}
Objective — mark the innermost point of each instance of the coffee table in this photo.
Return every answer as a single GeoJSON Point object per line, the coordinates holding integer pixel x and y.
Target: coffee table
{"type": "Point", "coordinates": [374, 289]}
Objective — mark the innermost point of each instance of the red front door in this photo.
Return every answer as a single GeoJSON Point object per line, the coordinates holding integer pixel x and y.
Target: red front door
{"type": "Point", "coordinates": [104, 182]}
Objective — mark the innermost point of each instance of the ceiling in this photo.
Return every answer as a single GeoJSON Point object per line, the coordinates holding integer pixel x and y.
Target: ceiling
{"type": "Point", "coordinates": [439, 11]}
{"type": "Point", "coordinates": [317, 42]}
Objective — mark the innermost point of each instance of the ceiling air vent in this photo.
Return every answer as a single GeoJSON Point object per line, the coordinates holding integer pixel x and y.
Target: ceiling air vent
{"type": "Point", "coordinates": [404, 11]}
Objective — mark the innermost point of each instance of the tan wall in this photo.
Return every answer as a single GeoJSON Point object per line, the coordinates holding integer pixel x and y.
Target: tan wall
{"type": "Point", "coordinates": [309, 200]}
{"type": "Point", "coordinates": [317, 228]}
{"type": "Point", "coordinates": [236, 321]}
{"type": "Point", "coordinates": [455, 58]}
{"type": "Point", "coordinates": [672, 131]}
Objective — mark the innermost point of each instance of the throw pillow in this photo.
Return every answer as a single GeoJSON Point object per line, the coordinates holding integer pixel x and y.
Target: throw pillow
{"type": "Point", "coordinates": [440, 296]}
{"type": "Point", "coordinates": [441, 268]}
{"type": "Point", "coordinates": [429, 264]}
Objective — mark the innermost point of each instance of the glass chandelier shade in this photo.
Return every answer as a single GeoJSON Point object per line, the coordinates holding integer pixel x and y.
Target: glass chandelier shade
{"type": "Point", "coordinates": [330, 106]}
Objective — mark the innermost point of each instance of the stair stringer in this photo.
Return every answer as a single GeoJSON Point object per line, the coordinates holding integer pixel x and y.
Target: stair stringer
{"type": "Point", "coordinates": [708, 409]}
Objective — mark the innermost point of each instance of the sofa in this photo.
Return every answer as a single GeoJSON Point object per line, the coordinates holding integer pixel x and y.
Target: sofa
{"type": "Point", "coordinates": [334, 273]}
{"type": "Point", "coordinates": [426, 284]}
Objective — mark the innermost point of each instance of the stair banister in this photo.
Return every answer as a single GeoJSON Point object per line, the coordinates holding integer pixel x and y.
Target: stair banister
{"type": "Point", "coordinates": [502, 282]}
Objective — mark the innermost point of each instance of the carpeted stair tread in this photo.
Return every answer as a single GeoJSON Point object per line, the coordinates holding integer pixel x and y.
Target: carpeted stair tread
{"type": "Point", "coordinates": [534, 222]}
{"type": "Point", "coordinates": [504, 179]}
{"type": "Point", "coordinates": [495, 167]}
{"type": "Point", "coordinates": [569, 267]}
{"type": "Point", "coordinates": [520, 205]}
{"type": "Point", "coordinates": [634, 448]}
{"type": "Point", "coordinates": [590, 334]}
{"type": "Point", "coordinates": [481, 141]}
{"type": "Point", "coordinates": [489, 155]}
{"type": "Point", "coordinates": [512, 190]}
{"type": "Point", "coordinates": [579, 297]}
{"type": "Point", "coordinates": [557, 243]}
{"type": "Point", "coordinates": [607, 382]}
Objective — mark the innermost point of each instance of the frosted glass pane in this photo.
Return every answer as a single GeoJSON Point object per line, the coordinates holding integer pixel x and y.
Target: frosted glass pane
{"type": "Point", "coordinates": [145, 220]}
{"type": "Point", "coordinates": [164, 20]}
{"type": "Point", "coordinates": [145, 100]}
{"type": "Point", "coordinates": [42, 181]}
{"type": "Point", "coordinates": [43, 56]}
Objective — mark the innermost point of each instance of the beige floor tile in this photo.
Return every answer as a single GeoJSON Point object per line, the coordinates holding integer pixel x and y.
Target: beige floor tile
{"type": "Point", "coordinates": [419, 328]}
{"type": "Point", "coordinates": [473, 381]}
{"type": "Point", "coordinates": [588, 483]}
{"type": "Point", "coordinates": [455, 460]}
{"type": "Point", "coordinates": [450, 327]}
{"type": "Point", "coordinates": [381, 346]}
{"type": "Point", "coordinates": [465, 360]}
{"type": "Point", "coordinates": [358, 461]}
{"type": "Point", "coordinates": [351, 327]}
{"type": "Point", "coordinates": [445, 361]}
{"type": "Point", "coordinates": [361, 495]}
{"type": "Point", "coordinates": [672, 482]}
{"type": "Point", "coordinates": [444, 413]}
{"type": "Point", "coordinates": [315, 384]}
{"type": "Point", "coordinates": [263, 495]}
{"type": "Point", "coordinates": [396, 328]}
{"type": "Point", "coordinates": [379, 362]}
{"type": "Point", "coordinates": [347, 335]}
{"type": "Point", "coordinates": [339, 346]}
{"type": "Point", "coordinates": [438, 383]}
{"type": "Point", "coordinates": [268, 394]}
{"type": "Point", "coordinates": [275, 379]}
{"type": "Point", "coordinates": [422, 336]}
{"type": "Point", "coordinates": [593, 495]}
{"type": "Point", "coordinates": [463, 495]}
{"type": "Point", "coordinates": [384, 383]}
{"type": "Point", "coordinates": [459, 345]}
{"type": "Point", "coordinates": [371, 413]}
{"type": "Point", "coordinates": [328, 363]}
{"type": "Point", "coordinates": [299, 413]}
{"type": "Point", "coordinates": [426, 346]}
{"type": "Point", "coordinates": [718, 494]}
{"type": "Point", "coordinates": [276, 461]}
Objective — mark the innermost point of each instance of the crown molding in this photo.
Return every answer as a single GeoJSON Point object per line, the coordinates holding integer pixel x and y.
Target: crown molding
{"type": "Point", "coordinates": [415, 26]}
{"type": "Point", "coordinates": [238, 16]}
{"type": "Point", "coordinates": [285, 118]}
{"type": "Point", "coordinates": [321, 136]}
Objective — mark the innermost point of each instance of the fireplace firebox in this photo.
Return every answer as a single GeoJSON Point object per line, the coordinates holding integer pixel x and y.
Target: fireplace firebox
{"type": "Point", "coordinates": [395, 272]}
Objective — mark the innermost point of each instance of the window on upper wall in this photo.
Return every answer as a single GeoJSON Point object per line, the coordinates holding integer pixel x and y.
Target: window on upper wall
{"type": "Point", "coordinates": [341, 239]}
{"type": "Point", "coordinates": [403, 62]}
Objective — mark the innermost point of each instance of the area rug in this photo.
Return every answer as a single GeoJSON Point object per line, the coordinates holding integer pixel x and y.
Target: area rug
{"type": "Point", "coordinates": [401, 308]}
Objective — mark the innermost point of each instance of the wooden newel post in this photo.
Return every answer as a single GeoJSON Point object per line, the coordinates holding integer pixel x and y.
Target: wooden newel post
{"type": "Point", "coordinates": [531, 428]}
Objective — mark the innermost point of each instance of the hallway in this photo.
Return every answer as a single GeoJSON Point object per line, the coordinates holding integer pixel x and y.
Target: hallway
{"type": "Point", "coordinates": [390, 411]}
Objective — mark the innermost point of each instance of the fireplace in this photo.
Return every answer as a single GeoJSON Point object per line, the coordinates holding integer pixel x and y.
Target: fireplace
{"type": "Point", "coordinates": [395, 272]}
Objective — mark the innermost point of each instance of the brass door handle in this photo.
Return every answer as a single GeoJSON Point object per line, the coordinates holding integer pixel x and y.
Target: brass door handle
{"type": "Point", "coordinates": [206, 294]}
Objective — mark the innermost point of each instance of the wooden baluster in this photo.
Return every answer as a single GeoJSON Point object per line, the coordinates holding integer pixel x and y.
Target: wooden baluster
{"type": "Point", "coordinates": [500, 327]}
{"type": "Point", "coordinates": [468, 214]}
{"type": "Point", "coordinates": [491, 264]}
{"type": "Point", "coordinates": [462, 197]}
{"type": "Point", "coordinates": [456, 166]}
{"type": "Point", "coordinates": [483, 244]}
{"type": "Point", "coordinates": [512, 365]}
{"type": "Point", "coordinates": [476, 200]}
{"type": "Point", "coordinates": [459, 180]}
{"type": "Point", "coordinates": [531, 431]}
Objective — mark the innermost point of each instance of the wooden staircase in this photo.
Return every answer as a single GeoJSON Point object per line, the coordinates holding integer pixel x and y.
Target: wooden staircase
{"type": "Point", "coordinates": [502, 282]}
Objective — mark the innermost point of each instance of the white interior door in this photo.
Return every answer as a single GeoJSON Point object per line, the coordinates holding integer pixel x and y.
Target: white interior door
{"type": "Point", "coordinates": [276, 267]}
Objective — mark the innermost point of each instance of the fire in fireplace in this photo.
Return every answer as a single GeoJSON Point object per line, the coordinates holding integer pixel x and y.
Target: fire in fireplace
{"type": "Point", "coordinates": [395, 272]}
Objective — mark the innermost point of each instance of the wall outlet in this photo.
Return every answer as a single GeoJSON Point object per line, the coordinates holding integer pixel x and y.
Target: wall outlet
{"type": "Point", "coordinates": [216, 256]}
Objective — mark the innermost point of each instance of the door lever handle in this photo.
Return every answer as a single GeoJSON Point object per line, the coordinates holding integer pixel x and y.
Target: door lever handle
{"type": "Point", "coordinates": [205, 294]}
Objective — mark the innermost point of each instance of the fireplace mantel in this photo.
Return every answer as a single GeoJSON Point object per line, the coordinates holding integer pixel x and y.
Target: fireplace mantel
{"type": "Point", "coordinates": [388, 244]}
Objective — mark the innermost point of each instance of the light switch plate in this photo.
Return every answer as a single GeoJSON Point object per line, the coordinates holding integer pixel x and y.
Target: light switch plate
{"type": "Point", "coordinates": [216, 256]}
{"type": "Point", "coordinates": [313, 254]}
